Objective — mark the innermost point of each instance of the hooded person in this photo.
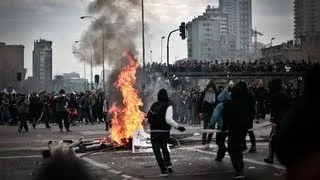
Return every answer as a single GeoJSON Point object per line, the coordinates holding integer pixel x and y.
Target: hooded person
{"type": "Point", "coordinates": [236, 114]}
{"type": "Point", "coordinates": [208, 101]}
{"type": "Point", "coordinates": [217, 119]}
{"type": "Point", "coordinates": [161, 121]}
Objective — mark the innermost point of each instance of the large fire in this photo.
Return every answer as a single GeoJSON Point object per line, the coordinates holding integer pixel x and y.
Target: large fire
{"type": "Point", "coordinates": [127, 118]}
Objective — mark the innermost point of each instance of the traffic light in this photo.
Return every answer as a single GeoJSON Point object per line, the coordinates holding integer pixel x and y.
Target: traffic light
{"type": "Point", "coordinates": [96, 79]}
{"type": "Point", "coordinates": [19, 76]}
{"type": "Point", "coordinates": [183, 30]}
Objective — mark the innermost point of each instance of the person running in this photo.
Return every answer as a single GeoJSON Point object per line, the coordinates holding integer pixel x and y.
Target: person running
{"type": "Point", "coordinates": [161, 121]}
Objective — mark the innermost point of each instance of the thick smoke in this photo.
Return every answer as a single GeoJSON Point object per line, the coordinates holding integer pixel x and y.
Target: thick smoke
{"type": "Point", "coordinates": [121, 22]}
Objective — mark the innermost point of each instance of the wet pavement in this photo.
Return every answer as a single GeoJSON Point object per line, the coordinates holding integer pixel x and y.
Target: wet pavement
{"type": "Point", "coordinates": [20, 157]}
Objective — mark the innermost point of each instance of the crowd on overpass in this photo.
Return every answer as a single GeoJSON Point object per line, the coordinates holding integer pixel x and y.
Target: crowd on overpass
{"type": "Point", "coordinates": [227, 66]}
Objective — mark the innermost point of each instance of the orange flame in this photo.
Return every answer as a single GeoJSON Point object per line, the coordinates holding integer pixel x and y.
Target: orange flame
{"type": "Point", "coordinates": [128, 118]}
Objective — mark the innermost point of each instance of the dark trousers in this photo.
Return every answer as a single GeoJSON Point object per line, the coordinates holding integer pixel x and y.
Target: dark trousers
{"type": "Point", "coordinates": [272, 142]}
{"type": "Point", "coordinates": [252, 139]}
{"type": "Point", "coordinates": [85, 113]}
{"type": "Point", "coordinates": [44, 116]}
{"type": "Point", "coordinates": [206, 138]}
{"type": "Point", "coordinates": [159, 140]}
{"type": "Point", "coordinates": [235, 148]}
{"type": "Point", "coordinates": [261, 110]}
{"type": "Point", "coordinates": [63, 116]}
{"type": "Point", "coordinates": [23, 122]}
{"type": "Point", "coordinates": [220, 141]}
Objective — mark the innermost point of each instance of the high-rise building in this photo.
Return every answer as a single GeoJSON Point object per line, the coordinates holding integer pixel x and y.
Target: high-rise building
{"type": "Point", "coordinates": [42, 64]}
{"type": "Point", "coordinates": [240, 21]}
{"type": "Point", "coordinates": [306, 17]}
{"type": "Point", "coordinates": [208, 35]}
{"type": "Point", "coordinates": [11, 63]}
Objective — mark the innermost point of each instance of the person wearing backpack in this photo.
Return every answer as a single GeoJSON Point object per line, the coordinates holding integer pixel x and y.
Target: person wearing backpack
{"type": "Point", "coordinates": [160, 120]}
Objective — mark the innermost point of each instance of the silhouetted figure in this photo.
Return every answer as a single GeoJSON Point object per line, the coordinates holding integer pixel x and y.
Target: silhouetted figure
{"type": "Point", "coordinates": [64, 167]}
{"type": "Point", "coordinates": [298, 145]}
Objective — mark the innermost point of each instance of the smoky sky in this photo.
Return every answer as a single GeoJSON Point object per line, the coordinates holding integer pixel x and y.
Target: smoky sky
{"type": "Point", "coordinates": [23, 21]}
{"type": "Point", "coordinates": [121, 28]}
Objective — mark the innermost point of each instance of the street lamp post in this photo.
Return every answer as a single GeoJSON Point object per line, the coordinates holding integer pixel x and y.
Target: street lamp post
{"type": "Point", "coordinates": [91, 73]}
{"type": "Point", "coordinates": [84, 69]}
{"type": "Point", "coordinates": [143, 40]}
{"type": "Point", "coordinates": [168, 40]}
{"type": "Point", "coordinates": [102, 32]}
{"type": "Point", "coordinates": [161, 48]}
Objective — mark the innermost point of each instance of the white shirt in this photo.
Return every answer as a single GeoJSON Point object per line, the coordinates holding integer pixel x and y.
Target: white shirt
{"type": "Point", "coordinates": [169, 119]}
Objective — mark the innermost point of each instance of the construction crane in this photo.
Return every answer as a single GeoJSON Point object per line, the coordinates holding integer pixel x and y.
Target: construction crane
{"type": "Point", "coordinates": [255, 34]}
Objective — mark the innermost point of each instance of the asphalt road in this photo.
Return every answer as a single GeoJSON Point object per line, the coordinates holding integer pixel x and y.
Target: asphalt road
{"type": "Point", "coordinates": [20, 157]}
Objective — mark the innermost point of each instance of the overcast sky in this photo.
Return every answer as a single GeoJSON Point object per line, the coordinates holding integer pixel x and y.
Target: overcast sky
{"type": "Point", "coordinates": [23, 21]}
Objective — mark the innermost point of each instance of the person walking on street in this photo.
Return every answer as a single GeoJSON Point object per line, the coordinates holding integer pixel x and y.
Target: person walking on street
{"type": "Point", "coordinates": [208, 100]}
{"type": "Point", "coordinates": [23, 110]}
{"type": "Point", "coordinates": [217, 118]}
{"type": "Point", "coordinates": [236, 114]}
{"type": "Point", "coordinates": [61, 110]}
{"type": "Point", "coordinates": [161, 121]}
{"type": "Point", "coordinates": [279, 104]}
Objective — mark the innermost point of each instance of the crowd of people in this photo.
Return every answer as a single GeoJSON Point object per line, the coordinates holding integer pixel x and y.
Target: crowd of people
{"type": "Point", "coordinates": [73, 108]}
{"type": "Point", "coordinates": [227, 66]}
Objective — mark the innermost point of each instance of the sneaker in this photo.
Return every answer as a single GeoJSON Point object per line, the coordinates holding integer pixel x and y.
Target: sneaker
{"type": "Point", "coordinates": [19, 130]}
{"type": "Point", "coordinates": [34, 126]}
{"type": "Point", "coordinates": [252, 150]}
{"type": "Point", "coordinates": [48, 127]}
{"type": "Point", "coordinates": [239, 175]}
{"type": "Point", "coordinates": [68, 130]}
{"type": "Point", "coordinates": [170, 170]}
{"type": "Point", "coordinates": [268, 160]}
{"type": "Point", "coordinates": [218, 159]}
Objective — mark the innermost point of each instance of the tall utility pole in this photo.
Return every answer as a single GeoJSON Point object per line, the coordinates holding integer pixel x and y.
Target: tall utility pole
{"type": "Point", "coordinates": [91, 63]}
{"type": "Point", "coordinates": [102, 33]}
{"type": "Point", "coordinates": [143, 43]}
{"type": "Point", "coordinates": [161, 48]}
{"type": "Point", "coordinates": [168, 50]}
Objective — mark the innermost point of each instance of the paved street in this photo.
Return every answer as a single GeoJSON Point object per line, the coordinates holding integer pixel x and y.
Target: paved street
{"type": "Point", "coordinates": [20, 157]}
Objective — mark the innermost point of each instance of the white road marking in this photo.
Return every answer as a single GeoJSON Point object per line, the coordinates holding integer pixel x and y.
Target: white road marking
{"type": "Point", "coordinates": [108, 168]}
{"type": "Point", "coordinates": [24, 149]}
{"type": "Point", "coordinates": [245, 159]}
{"type": "Point", "coordinates": [20, 157]}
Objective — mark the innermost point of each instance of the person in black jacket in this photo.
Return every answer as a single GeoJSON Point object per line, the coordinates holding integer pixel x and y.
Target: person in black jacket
{"type": "Point", "coordinates": [298, 144]}
{"type": "Point", "coordinates": [236, 116]}
{"type": "Point", "coordinates": [160, 120]}
{"type": "Point", "coordinates": [252, 109]}
{"type": "Point", "coordinates": [279, 104]}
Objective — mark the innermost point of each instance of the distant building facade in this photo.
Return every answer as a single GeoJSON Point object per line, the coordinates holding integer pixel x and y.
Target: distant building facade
{"type": "Point", "coordinates": [208, 35]}
{"type": "Point", "coordinates": [240, 22]}
{"type": "Point", "coordinates": [306, 17]}
{"type": "Point", "coordinates": [307, 27]}
{"type": "Point", "coordinates": [42, 64]}
{"type": "Point", "coordinates": [11, 63]}
{"type": "Point", "coordinates": [284, 52]}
